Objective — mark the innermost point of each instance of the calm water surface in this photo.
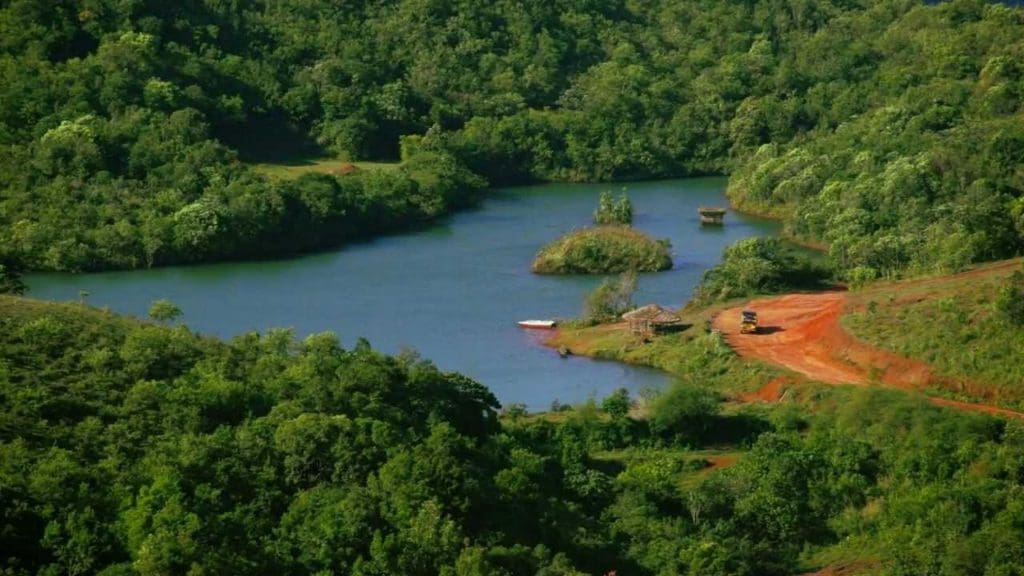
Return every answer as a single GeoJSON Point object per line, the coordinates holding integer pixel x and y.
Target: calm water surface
{"type": "Point", "coordinates": [453, 292]}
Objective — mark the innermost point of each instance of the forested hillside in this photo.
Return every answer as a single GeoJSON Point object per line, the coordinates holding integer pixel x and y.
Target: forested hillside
{"type": "Point", "coordinates": [890, 131]}
{"type": "Point", "coordinates": [138, 448]}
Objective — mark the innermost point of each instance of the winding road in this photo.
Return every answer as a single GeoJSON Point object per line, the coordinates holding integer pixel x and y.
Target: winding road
{"type": "Point", "coordinates": [801, 332]}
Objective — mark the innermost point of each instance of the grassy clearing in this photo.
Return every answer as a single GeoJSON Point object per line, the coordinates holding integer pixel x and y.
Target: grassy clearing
{"type": "Point", "coordinates": [690, 466]}
{"type": "Point", "coordinates": [294, 168]}
{"type": "Point", "coordinates": [693, 354]}
{"type": "Point", "coordinates": [952, 324]}
{"type": "Point", "coordinates": [860, 556]}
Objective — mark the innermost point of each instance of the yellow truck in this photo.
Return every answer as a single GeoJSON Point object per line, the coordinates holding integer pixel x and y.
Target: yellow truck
{"type": "Point", "coordinates": [749, 322]}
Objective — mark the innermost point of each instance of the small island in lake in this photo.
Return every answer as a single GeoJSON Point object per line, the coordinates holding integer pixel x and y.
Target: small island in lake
{"type": "Point", "coordinates": [611, 247]}
{"type": "Point", "coordinates": [604, 250]}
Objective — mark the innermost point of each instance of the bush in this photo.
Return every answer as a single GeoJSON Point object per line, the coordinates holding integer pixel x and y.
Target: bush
{"type": "Point", "coordinates": [758, 266]}
{"type": "Point", "coordinates": [1010, 302]}
{"type": "Point", "coordinates": [614, 212]}
{"type": "Point", "coordinates": [603, 250]}
{"type": "Point", "coordinates": [859, 276]}
{"type": "Point", "coordinates": [684, 412]}
{"type": "Point", "coordinates": [10, 278]}
{"type": "Point", "coordinates": [610, 299]}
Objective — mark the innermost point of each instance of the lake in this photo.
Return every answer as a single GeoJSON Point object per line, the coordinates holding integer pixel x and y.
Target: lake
{"type": "Point", "coordinates": [452, 292]}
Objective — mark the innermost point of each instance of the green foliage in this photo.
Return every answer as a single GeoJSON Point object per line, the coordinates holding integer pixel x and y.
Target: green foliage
{"type": "Point", "coordinates": [10, 278]}
{"type": "Point", "coordinates": [603, 250]}
{"type": "Point", "coordinates": [611, 298]}
{"type": "Point", "coordinates": [164, 311]}
{"type": "Point", "coordinates": [856, 122]}
{"type": "Point", "coordinates": [962, 326]}
{"type": "Point", "coordinates": [617, 404]}
{"type": "Point", "coordinates": [614, 212]}
{"type": "Point", "coordinates": [138, 448]}
{"type": "Point", "coordinates": [1010, 301]}
{"type": "Point", "coordinates": [757, 266]}
{"type": "Point", "coordinates": [684, 413]}
{"type": "Point", "coordinates": [888, 131]}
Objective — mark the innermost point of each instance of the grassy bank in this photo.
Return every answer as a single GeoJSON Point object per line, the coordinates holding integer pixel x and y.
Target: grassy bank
{"type": "Point", "coordinates": [952, 324]}
{"type": "Point", "coordinates": [693, 354]}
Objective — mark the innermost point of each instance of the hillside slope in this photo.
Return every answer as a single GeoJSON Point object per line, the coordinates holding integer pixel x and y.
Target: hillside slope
{"type": "Point", "coordinates": [940, 336]}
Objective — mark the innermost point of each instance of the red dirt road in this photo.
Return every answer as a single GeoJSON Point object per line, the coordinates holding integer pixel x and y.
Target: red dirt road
{"type": "Point", "coordinates": [801, 332]}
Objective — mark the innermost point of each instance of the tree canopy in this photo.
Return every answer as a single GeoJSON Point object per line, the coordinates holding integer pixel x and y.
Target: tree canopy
{"type": "Point", "coordinates": [888, 131]}
{"type": "Point", "coordinates": [136, 448]}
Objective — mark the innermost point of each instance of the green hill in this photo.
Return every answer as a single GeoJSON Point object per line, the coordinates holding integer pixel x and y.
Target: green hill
{"type": "Point", "coordinates": [889, 131]}
{"type": "Point", "coordinates": [128, 447]}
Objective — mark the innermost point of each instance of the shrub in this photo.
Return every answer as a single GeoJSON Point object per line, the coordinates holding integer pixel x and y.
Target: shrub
{"type": "Point", "coordinates": [859, 276]}
{"type": "Point", "coordinates": [10, 279]}
{"type": "Point", "coordinates": [610, 299]}
{"type": "Point", "coordinates": [758, 266]}
{"type": "Point", "coordinates": [1010, 301]}
{"type": "Point", "coordinates": [684, 412]}
{"type": "Point", "coordinates": [614, 212]}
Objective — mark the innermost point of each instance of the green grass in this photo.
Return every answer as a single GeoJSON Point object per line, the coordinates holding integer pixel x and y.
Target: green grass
{"type": "Point", "coordinates": [286, 169]}
{"type": "Point", "coordinates": [860, 555]}
{"type": "Point", "coordinates": [692, 466]}
{"type": "Point", "coordinates": [951, 324]}
{"type": "Point", "coordinates": [691, 354]}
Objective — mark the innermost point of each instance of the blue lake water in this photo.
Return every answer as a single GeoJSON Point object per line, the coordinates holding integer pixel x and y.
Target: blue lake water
{"type": "Point", "coordinates": [452, 292]}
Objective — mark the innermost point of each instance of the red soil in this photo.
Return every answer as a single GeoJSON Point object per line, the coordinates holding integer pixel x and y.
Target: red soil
{"type": "Point", "coordinates": [723, 461]}
{"type": "Point", "coordinates": [843, 569]}
{"type": "Point", "coordinates": [770, 392]}
{"type": "Point", "coordinates": [801, 332]}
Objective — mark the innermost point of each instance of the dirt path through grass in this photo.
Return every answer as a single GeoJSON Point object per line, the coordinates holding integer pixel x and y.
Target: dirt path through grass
{"type": "Point", "coordinates": [801, 332]}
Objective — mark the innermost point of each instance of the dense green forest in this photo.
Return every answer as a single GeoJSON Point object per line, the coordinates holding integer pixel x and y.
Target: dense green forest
{"type": "Point", "coordinates": [143, 448]}
{"type": "Point", "coordinates": [888, 131]}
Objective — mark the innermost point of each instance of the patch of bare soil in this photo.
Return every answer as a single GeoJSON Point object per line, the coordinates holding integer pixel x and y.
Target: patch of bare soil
{"type": "Point", "coordinates": [801, 332]}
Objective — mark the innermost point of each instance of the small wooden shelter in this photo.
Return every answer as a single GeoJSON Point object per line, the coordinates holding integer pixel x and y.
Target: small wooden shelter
{"type": "Point", "coordinates": [710, 216]}
{"type": "Point", "coordinates": [650, 319]}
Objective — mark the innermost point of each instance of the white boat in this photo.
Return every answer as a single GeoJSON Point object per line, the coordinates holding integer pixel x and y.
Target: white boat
{"type": "Point", "coordinates": [538, 324]}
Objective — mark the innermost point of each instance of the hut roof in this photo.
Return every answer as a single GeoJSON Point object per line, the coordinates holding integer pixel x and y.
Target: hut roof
{"type": "Point", "coordinates": [711, 211]}
{"type": "Point", "coordinates": [652, 313]}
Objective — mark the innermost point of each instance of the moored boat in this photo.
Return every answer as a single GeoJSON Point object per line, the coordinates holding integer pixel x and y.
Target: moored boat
{"type": "Point", "coordinates": [538, 324]}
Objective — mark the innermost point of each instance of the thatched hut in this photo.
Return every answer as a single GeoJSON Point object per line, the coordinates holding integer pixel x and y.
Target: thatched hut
{"type": "Point", "coordinates": [712, 216]}
{"type": "Point", "coordinates": [650, 319]}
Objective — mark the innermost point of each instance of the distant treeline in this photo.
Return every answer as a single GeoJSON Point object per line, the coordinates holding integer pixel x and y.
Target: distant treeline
{"type": "Point", "coordinates": [888, 130]}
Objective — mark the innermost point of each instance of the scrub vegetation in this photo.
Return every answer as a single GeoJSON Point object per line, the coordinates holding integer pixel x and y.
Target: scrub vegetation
{"type": "Point", "coordinates": [604, 250]}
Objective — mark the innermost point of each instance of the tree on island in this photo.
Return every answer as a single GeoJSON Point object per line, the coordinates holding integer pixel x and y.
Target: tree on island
{"type": "Point", "coordinates": [612, 212]}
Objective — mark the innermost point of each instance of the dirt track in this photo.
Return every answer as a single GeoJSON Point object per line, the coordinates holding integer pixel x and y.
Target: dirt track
{"type": "Point", "coordinates": [801, 332]}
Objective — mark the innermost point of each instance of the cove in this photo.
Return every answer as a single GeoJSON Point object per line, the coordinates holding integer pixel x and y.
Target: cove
{"type": "Point", "coordinates": [452, 292]}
